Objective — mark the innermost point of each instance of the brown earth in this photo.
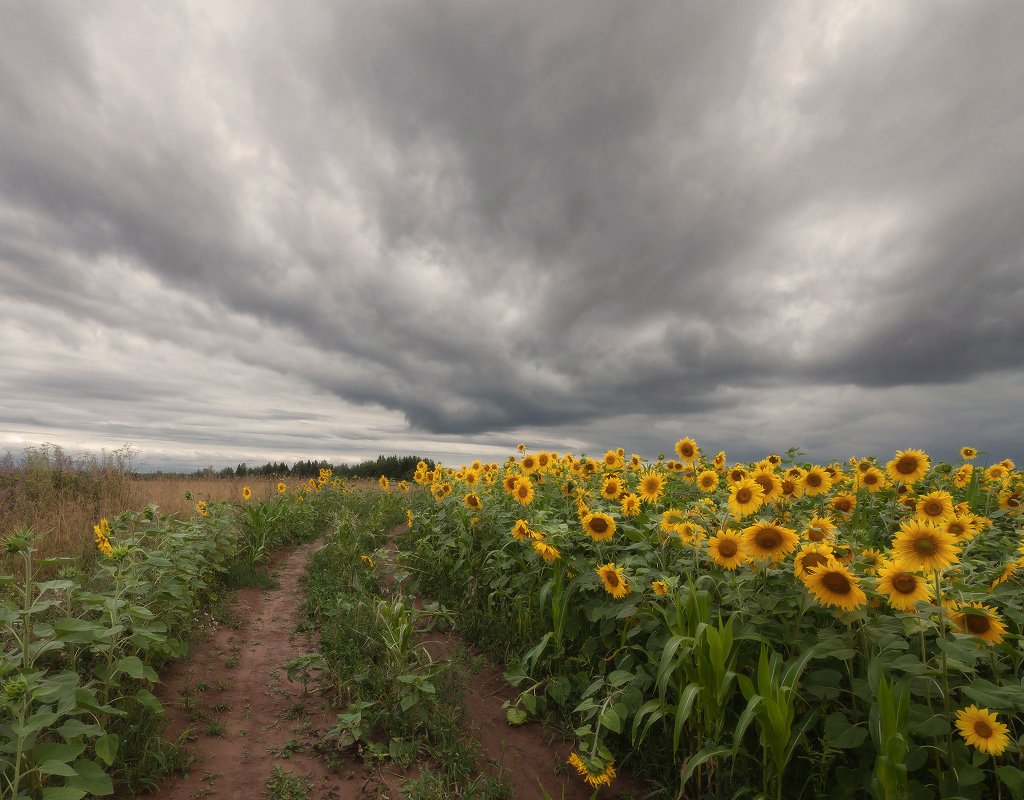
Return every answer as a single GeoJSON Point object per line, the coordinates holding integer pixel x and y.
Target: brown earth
{"type": "Point", "coordinates": [235, 696]}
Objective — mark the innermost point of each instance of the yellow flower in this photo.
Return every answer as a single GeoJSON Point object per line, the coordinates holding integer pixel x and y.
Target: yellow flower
{"type": "Point", "coordinates": [903, 589]}
{"type": "Point", "coordinates": [767, 540]}
{"type": "Point", "coordinates": [727, 550]}
{"type": "Point", "coordinates": [922, 546]}
{"type": "Point", "coordinates": [383, 482]}
{"type": "Point", "coordinates": [844, 503]}
{"type": "Point", "coordinates": [521, 530]}
{"type": "Point", "coordinates": [770, 483]}
{"type": "Point", "coordinates": [599, 526]}
{"type": "Point", "coordinates": [613, 460]}
{"type": "Point", "coordinates": [651, 484]}
{"type": "Point", "coordinates": [745, 498]}
{"type": "Point", "coordinates": [246, 492]}
{"type": "Point", "coordinates": [687, 450]}
{"type": "Point", "coordinates": [614, 583]}
{"type": "Point", "coordinates": [367, 560]}
{"type": "Point", "coordinates": [408, 516]}
{"type": "Point", "coordinates": [833, 585]}
{"type": "Point", "coordinates": [935, 507]}
{"type": "Point", "coordinates": [909, 466]}
{"type": "Point", "coordinates": [810, 557]}
{"type": "Point", "coordinates": [630, 505]}
{"type": "Point", "coordinates": [595, 774]}
{"type": "Point", "coordinates": [981, 621]}
{"type": "Point", "coordinates": [523, 491]}
{"type": "Point", "coordinates": [707, 481]}
{"type": "Point", "coordinates": [548, 552]}
{"type": "Point", "coordinates": [816, 481]}
{"type": "Point", "coordinates": [612, 487]}
{"type": "Point", "coordinates": [983, 730]}
{"type": "Point", "coordinates": [968, 453]}
{"type": "Point", "coordinates": [660, 587]}
{"type": "Point", "coordinates": [472, 501]}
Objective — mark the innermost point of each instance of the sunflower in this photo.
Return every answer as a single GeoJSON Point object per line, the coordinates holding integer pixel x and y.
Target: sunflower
{"type": "Point", "coordinates": [597, 774]}
{"type": "Point", "coordinates": [981, 621]}
{"type": "Point", "coordinates": [651, 485]}
{"type": "Point", "coordinates": [923, 546]}
{"type": "Point", "coordinates": [707, 481]}
{"type": "Point", "coordinates": [773, 459]}
{"type": "Point", "coordinates": [689, 533]}
{"type": "Point", "coordinates": [844, 503]}
{"type": "Point", "coordinates": [671, 519]}
{"type": "Point", "coordinates": [408, 516]}
{"type": "Point", "coordinates": [635, 462]}
{"type": "Point", "coordinates": [872, 479]}
{"type": "Point", "coordinates": [963, 476]}
{"type": "Point", "coordinates": [523, 491]}
{"type": "Point", "coordinates": [543, 461]}
{"type": "Point", "coordinates": [719, 460]}
{"type": "Point", "coordinates": [728, 550]}
{"type": "Point", "coordinates": [613, 460]}
{"type": "Point", "coordinates": [441, 490]}
{"type": "Point", "coordinates": [983, 730]}
{"type": "Point", "coordinates": [246, 492]}
{"type": "Point", "coordinates": [962, 526]}
{"type": "Point", "coordinates": [1010, 499]}
{"type": "Point", "coordinates": [1009, 571]}
{"type": "Point", "coordinates": [521, 530]}
{"type": "Point", "coordinates": [599, 526]}
{"type": "Point", "coordinates": [367, 560]}
{"type": "Point", "coordinates": [810, 557]}
{"type": "Point", "coordinates": [902, 589]}
{"type": "Point", "coordinates": [660, 587]}
{"type": "Point", "coordinates": [746, 497]}
{"type": "Point", "coordinates": [737, 474]}
{"type": "Point", "coordinates": [281, 488]}
{"type": "Point", "coordinates": [968, 453]}
{"type": "Point", "coordinates": [472, 477]}
{"type": "Point", "coordinates": [528, 464]}
{"type": "Point", "coordinates": [383, 482]}
{"type": "Point", "coordinates": [548, 553]}
{"type": "Point", "coordinates": [509, 482]}
{"type": "Point", "coordinates": [791, 489]}
{"type": "Point", "coordinates": [612, 487]}
{"type": "Point", "coordinates": [935, 507]}
{"type": "Point", "coordinates": [614, 583]}
{"type": "Point", "coordinates": [768, 540]}
{"type": "Point", "coordinates": [872, 560]}
{"type": "Point", "coordinates": [816, 481]}
{"type": "Point", "coordinates": [688, 450]}
{"type": "Point", "coordinates": [833, 585]}
{"type": "Point", "coordinates": [819, 529]}
{"type": "Point", "coordinates": [630, 504]}
{"type": "Point", "coordinates": [909, 466]}
{"type": "Point", "coordinates": [472, 501]}
{"type": "Point", "coordinates": [769, 482]}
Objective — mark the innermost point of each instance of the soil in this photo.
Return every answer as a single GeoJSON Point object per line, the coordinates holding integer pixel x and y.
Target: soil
{"type": "Point", "coordinates": [247, 717]}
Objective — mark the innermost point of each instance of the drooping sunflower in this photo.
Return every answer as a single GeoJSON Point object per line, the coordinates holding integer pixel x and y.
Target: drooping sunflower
{"type": "Point", "coordinates": [547, 552]}
{"type": "Point", "coordinates": [473, 501]}
{"type": "Point", "coordinates": [660, 587]}
{"type": "Point", "coordinates": [367, 560]}
{"type": "Point", "coordinates": [707, 481]}
{"type": "Point", "coordinates": [651, 485]}
{"type": "Point", "coordinates": [246, 492]}
{"type": "Point", "coordinates": [920, 545]}
{"type": "Point", "coordinates": [833, 585]}
{"type": "Point", "coordinates": [909, 466]}
{"type": "Point", "coordinates": [597, 774]}
{"type": "Point", "coordinates": [523, 491]}
{"type": "Point", "coordinates": [614, 583]}
{"type": "Point", "coordinates": [728, 550]}
{"type": "Point", "coordinates": [819, 529]}
{"type": "Point", "coordinates": [935, 507]}
{"type": "Point", "coordinates": [612, 487]}
{"type": "Point", "coordinates": [687, 450]}
{"type": "Point", "coordinates": [441, 490]}
{"type": "Point", "coordinates": [811, 556]}
{"type": "Point", "coordinates": [719, 460]}
{"type": "Point", "coordinates": [765, 540]}
{"type": "Point", "coordinates": [599, 526]}
{"type": "Point", "coordinates": [872, 559]}
{"type": "Point", "coordinates": [902, 589]}
{"type": "Point", "coordinates": [982, 729]}
{"type": "Point", "coordinates": [816, 481]}
{"type": "Point", "coordinates": [630, 504]}
{"type": "Point", "coordinates": [981, 621]}
{"type": "Point", "coordinates": [521, 530]}
{"type": "Point", "coordinates": [963, 476]}
{"type": "Point", "coordinates": [746, 497]}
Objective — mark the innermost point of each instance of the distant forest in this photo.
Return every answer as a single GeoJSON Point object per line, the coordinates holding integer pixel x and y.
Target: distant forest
{"type": "Point", "coordinates": [394, 468]}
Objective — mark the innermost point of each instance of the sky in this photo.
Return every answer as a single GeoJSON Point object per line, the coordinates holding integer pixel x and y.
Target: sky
{"type": "Point", "coordinates": [248, 232]}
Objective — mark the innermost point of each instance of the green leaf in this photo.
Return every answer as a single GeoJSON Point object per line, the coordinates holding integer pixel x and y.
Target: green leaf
{"type": "Point", "coordinates": [57, 752]}
{"type": "Point", "coordinates": [1013, 779]}
{"type": "Point", "coordinates": [91, 778]}
{"type": "Point", "coordinates": [62, 793]}
{"type": "Point", "coordinates": [132, 665]}
{"type": "Point", "coordinates": [106, 747]}
{"type": "Point", "coordinates": [516, 716]}
{"type": "Point", "coordinates": [842, 733]}
{"type": "Point", "coordinates": [611, 720]}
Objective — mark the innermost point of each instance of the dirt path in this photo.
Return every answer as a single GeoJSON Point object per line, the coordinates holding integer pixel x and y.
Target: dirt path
{"type": "Point", "coordinates": [247, 718]}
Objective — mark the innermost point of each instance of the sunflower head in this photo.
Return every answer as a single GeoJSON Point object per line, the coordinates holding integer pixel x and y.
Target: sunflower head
{"type": "Point", "coordinates": [651, 485]}
{"type": "Point", "coordinates": [769, 541]}
{"type": "Point", "coordinates": [523, 491]}
{"type": "Point", "coordinates": [660, 587]}
{"type": "Point", "coordinates": [611, 576]}
{"type": "Point", "coordinates": [630, 504]}
{"type": "Point", "coordinates": [982, 730]}
{"type": "Point", "coordinates": [746, 497]}
{"type": "Point", "coordinates": [728, 550]}
{"type": "Point", "coordinates": [246, 492]}
{"type": "Point", "coordinates": [968, 453]}
{"type": "Point", "coordinates": [687, 450]}
{"type": "Point", "coordinates": [908, 467]}
{"type": "Point", "coordinates": [981, 621]}
{"type": "Point", "coordinates": [810, 557]}
{"type": "Point", "coordinates": [600, 527]}
{"type": "Point", "coordinates": [833, 585]}
{"type": "Point", "coordinates": [924, 546]}
{"type": "Point", "coordinates": [902, 588]}
{"type": "Point", "coordinates": [612, 487]}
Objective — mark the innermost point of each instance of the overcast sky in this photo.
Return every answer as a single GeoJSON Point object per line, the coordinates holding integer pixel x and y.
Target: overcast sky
{"type": "Point", "coordinates": [285, 230]}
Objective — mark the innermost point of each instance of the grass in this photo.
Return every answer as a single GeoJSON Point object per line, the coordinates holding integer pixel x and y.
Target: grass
{"type": "Point", "coordinates": [282, 785]}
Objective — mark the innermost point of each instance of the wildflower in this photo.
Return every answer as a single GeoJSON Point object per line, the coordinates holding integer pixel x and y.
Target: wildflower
{"type": "Point", "coordinates": [982, 729]}
{"type": "Point", "coordinates": [614, 583]}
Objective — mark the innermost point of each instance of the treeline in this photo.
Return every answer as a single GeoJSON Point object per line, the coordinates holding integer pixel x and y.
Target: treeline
{"type": "Point", "coordinates": [394, 468]}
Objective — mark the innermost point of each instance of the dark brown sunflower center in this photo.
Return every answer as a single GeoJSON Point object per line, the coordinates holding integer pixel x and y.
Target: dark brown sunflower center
{"type": "Point", "coordinates": [523, 490]}
{"type": "Point", "coordinates": [814, 560]}
{"type": "Point", "coordinates": [837, 583]}
{"type": "Point", "coordinates": [978, 624]}
{"type": "Point", "coordinates": [612, 578]}
{"type": "Point", "coordinates": [686, 451]}
{"type": "Point", "coordinates": [925, 546]}
{"type": "Point", "coordinates": [727, 548]}
{"type": "Point", "coordinates": [599, 525]}
{"type": "Point", "coordinates": [744, 495]}
{"type": "Point", "coordinates": [983, 729]}
{"type": "Point", "coordinates": [813, 480]}
{"type": "Point", "coordinates": [870, 479]}
{"type": "Point", "coordinates": [651, 486]}
{"type": "Point", "coordinates": [765, 482]}
{"type": "Point", "coordinates": [815, 534]}
{"type": "Point", "coordinates": [906, 466]}
{"type": "Point", "coordinates": [843, 505]}
{"type": "Point", "coordinates": [706, 481]}
{"type": "Point", "coordinates": [768, 539]}
{"type": "Point", "coordinates": [904, 584]}
{"type": "Point", "coordinates": [956, 529]}
{"type": "Point", "coordinates": [932, 508]}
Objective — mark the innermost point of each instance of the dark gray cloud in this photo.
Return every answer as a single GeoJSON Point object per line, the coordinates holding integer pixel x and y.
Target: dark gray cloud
{"type": "Point", "coordinates": [461, 224]}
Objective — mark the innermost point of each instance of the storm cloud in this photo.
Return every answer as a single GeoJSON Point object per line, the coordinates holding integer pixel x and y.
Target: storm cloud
{"type": "Point", "coordinates": [312, 229]}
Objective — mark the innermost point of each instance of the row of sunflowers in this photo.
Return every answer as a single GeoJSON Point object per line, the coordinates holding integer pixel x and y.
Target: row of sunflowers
{"type": "Point", "coordinates": [840, 630]}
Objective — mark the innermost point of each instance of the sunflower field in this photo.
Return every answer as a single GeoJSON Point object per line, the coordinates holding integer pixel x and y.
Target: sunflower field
{"type": "Point", "coordinates": [777, 628]}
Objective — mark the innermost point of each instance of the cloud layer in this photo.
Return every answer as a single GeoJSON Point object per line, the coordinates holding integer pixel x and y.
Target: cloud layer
{"type": "Point", "coordinates": [340, 229]}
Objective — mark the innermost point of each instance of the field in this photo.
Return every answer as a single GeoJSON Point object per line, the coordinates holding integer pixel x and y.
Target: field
{"type": "Point", "coordinates": [694, 628]}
